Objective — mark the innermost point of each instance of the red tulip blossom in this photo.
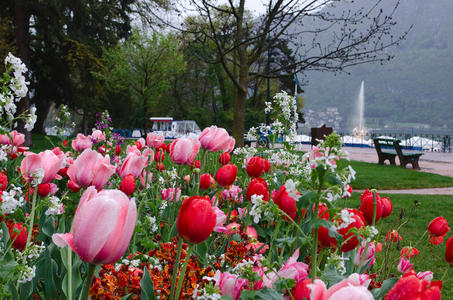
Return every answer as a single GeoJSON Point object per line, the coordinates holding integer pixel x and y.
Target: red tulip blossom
{"type": "Point", "coordinates": [18, 234]}
{"type": "Point", "coordinates": [409, 252]}
{"type": "Point", "coordinates": [302, 291]}
{"type": "Point", "coordinates": [393, 236]}
{"type": "Point", "coordinates": [449, 251]}
{"type": "Point", "coordinates": [73, 187]}
{"type": "Point", "coordinates": [160, 155]}
{"type": "Point", "coordinates": [160, 167]}
{"type": "Point", "coordinates": [206, 181]}
{"type": "Point", "coordinates": [3, 182]}
{"type": "Point", "coordinates": [127, 186]}
{"type": "Point", "coordinates": [226, 175]}
{"type": "Point", "coordinates": [387, 207]}
{"type": "Point", "coordinates": [43, 189]}
{"type": "Point", "coordinates": [410, 287]}
{"type": "Point", "coordinates": [256, 166]}
{"type": "Point", "coordinates": [285, 202]}
{"type": "Point", "coordinates": [367, 207]}
{"type": "Point", "coordinates": [224, 158]}
{"type": "Point", "coordinates": [350, 218]}
{"type": "Point", "coordinates": [117, 150]}
{"type": "Point", "coordinates": [438, 227]}
{"type": "Point", "coordinates": [196, 220]}
{"type": "Point", "coordinates": [258, 186]}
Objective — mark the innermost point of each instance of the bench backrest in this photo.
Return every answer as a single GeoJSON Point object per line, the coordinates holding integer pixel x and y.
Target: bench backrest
{"type": "Point", "coordinates": [396, 145]}
{"type": "Point", "coordinates": [390, 143]}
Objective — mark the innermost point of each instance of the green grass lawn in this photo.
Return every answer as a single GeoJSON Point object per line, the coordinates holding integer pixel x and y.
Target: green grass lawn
{"type": "Point", "coordinates": [417, 211]}
{"type": "Point", "coordinates": [375, 176]}
{"type": "Point", "coordinates": [41, 142]}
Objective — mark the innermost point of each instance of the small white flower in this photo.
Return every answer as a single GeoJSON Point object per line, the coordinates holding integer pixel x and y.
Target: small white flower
{"type": "Point", "coordinates": [55, 207]}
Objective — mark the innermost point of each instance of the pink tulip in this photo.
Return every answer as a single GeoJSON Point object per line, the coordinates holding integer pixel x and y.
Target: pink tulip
{"type": "Point", "coordinates": [361, 261]}
{"type": "Point", "coordinates": [97, 136]}
{"type": "Point", "coordinates": [133, 164]}
{"type": "Point", "coordinates": [220, 220]}
{"type": "Point", "coordinates": [230, 284]}
{"type": "Point", "coordinates": [232, 228]}
{"type": "Point", "coordinates": [215, 139]}
{"type": "Point", "coordinates": [143, 178]}
{"type": "Point", "coordinates": [291, 270]}
{"type": "Point", "coordinates": [427, 275]}
{"type": "Point", "coordinates": [404, 265]}
{"type": "Point", "coordinates": [184, 150]}
{"type": "Point", "coordinates": [91, 168]}
{"type": "Point", "coordinates": [102, 228]}
{"type": "Point", "coordinates": [170, 195]}
{"type": "Point", "coordinates": [17, 138]}
{"type": "Point", "coordinates": [233, 193]}
{"type": "Point", "coordinates": [154, 140]}
{"type": "Point", "coordinates": [46, 161]}
{"type": "Point", "coordinates": [345, 289]}
{"type": "Point", "coordinates": [81, 143]}
{"type": "Point", "coordinates": [140, 143]}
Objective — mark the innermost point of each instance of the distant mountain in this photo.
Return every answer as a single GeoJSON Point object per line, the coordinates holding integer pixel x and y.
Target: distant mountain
{"type": "Point", "coordinates": [413, 89]}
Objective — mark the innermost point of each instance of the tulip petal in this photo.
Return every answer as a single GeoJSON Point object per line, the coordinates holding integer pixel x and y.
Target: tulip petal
{"type": "Point", "coordinates": [63, 240]}
{"type": "Point", "coordinates": [93, 223]}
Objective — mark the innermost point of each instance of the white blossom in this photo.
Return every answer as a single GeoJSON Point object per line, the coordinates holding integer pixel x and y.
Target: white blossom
{"type": "Point", "coordinates": [55, 207]}
{"type": "Point", "coordinates": [12, 199]}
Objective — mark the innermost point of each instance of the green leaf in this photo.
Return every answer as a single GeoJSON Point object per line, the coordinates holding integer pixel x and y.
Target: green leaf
{"type": "Point", "coordinates": [226, 297]}
{"type": "Point", "coordinates": [333, 180]}
{"type": "Point", "coordinates": [146, 284]}
{"type": "Point", "coordinates": [307, 198]}
{"type": "Point", "coordinates": [284, 284]}
{"type": "Point", "coordinates": [48, 227]}
{"type": "Point", "coordinates": [6, 267]}
{"type": "Point", "coordinates": [13, 290]}
{"type": "Point", "coordinates": [383, 290]}
{"type": "Point", "coordinates": [263, 294]}
{"type": "Point", "coordinates": [331, 275]}
{"type": "Point", "coordinates": [127, 297]}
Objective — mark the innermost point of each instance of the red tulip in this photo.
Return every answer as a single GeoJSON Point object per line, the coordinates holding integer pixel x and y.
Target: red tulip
{"type": "Point", "coordinates": [196, 220]}
{"type": "Point", "coordinates": [449, 251]}
{"type": "Point", "coordinates": [387, 207]}
{"type": "Point", "coordinates": [410, 287]}
{"type": "Point", "coordinates": [350, 240]}
{"type": "Point", "coordinates": [409, 252]}
{"type": "Point", "coordinates": [438, 227]}
{"type": "Point", "coordinates": [3, 182]}
{"type": "Point", "coordinates": [128, 185]}
{"type": "Point", "coordinates": [43, 189]}
{"type": "Point", "coordinates": [258, 186]}
{"type": "Point", "coordinates": [18, 234]}
{"type": "Point", "coordinates": [196, 164]}
{"type": "Point", "coordinates": [224, 158]}
{"type": "Point", "coordinates": [285, 202]}
{"type": "Point", "coordinates": [117, 150]}
{"type": "Point", "coordinates": [160, 155]}
{"type": "Point", "coordinates": [324, 238]}
{"type": "Point", "coordinates": [367, 207]}
{"type": "Point", "coordinates": [436, 240]}
{"type": "Point", "coordinates": [226, 175]}
{"type": "Point", "coordinates": [302, 291]}
{"type": "Point", "coordinates": [160, 167]}
{"type": "Point", "coordinates": [256, 166]}
{"type": "Point", "coordinates": [73, 187]}
{"type": "Point", "coordinates": [206, 181]}
{"type": "Point", "coordinates": [393, 236]}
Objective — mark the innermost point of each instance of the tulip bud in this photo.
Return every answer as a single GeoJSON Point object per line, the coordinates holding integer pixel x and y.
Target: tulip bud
{"type": "Point", "coordinates": [117, 150]}
{"type": "Point", "coordinates": [224, 158]}
{"type": "Point", "coordinates": [226, 175]}
{"type": "Point", "coordinates": [256, 166]}
{"type": "Point", "coordinates": [160, 155]}
{"type": "Point", "coordinates": [128, 185]}
{"type": "Point", "coordinates": [438, 226]}
{"type": "Point", "coordinates": [3, 182]}
{"type": "Point", "coordinates": [43, 189]}
{"type": "Point", "coordinates": [18, 234]}
{"type": "Point", "coordinates": [206, 181]}
{"type": "Point", "coordinates": [258, 186]}
{"type": "Point", "coordinates": [367, 207]}
{"type": "Point", "coordinates": [196, 220]}
{"type": "Point", "coordinates": [73, 187]}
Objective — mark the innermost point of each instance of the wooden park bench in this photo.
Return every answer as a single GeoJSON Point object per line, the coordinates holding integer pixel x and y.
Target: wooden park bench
{"type": "Point", "coordinates": [388, 149]}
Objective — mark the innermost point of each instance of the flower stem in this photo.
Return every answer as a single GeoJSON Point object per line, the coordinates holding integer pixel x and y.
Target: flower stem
{"type": "Point", "coordinates": [183, 272]}
{"type": "Point", "coordinates": [32, 217]}
{"type": "Point", "coordinates": [374, 207]}
{"type": "Point", "coordinates": [69, 249]}
{"type": "Point", "coordinates": [175, 268]}
{"type": "Point", "coordinates": [88, 280]}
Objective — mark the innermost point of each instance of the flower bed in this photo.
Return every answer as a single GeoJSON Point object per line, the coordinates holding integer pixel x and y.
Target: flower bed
{"type": "Point", "coordinates": [197, 219]}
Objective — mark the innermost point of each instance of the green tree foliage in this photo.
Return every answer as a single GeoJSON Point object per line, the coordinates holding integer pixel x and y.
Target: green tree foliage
{"type": "Point", "coordinates": [137, 74]}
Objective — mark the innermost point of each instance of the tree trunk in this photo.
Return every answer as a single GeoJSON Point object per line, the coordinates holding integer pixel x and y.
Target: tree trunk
{"type": "Point", "coordinates": [239, 105]}
{"type": "Point", "coordinates": [22, 37]}
{"type": "Point", "coordinates": [42, 110]}
{"type": "Point", "coordinates": [145, 112]}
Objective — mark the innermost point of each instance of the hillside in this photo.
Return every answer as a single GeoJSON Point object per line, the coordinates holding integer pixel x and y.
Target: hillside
{"type": "Point", "coordinates": [413, 89]}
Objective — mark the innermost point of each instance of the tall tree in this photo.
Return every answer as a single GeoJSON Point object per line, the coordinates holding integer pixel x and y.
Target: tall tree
{"type": "Point", "coordinates": [143, 67]}
{"type": "Point", "coordinates": [324, 39]}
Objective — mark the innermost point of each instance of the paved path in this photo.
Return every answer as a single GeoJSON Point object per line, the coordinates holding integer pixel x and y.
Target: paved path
{"type": "Point", "coordinates": [431, 162]}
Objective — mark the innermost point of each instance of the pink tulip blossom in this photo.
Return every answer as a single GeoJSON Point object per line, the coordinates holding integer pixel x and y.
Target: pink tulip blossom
{"type": "Point", "coordinates": [427, 275]}
{"type": "Point", "coordinates": [143, 178]}
{"type": "Point", "coordinates": [103, 226]}
{"type": "Point", "coordinates": [230, 284]}
{"type": "Point", "coordinates": [291, 270]}
{"type": "Point", "coordinates": [45, 164]}
{"type": "Point", "coordinates": [361, 261]}
{"type": "Point", "coordinates": [220, 220]}
{"type": "Point", "coordinates": [97, 136]}
{"type": "Point", "coordinates": [404, 265]}
{"type": "Point", "coordinates": [233, 193]}
{"type": "Point", "coordinates": [81, 143]}
{"type": "Point", "coordinates": [91, 168]}
{"type": "Point", "coordinates": [17, 138]}
{"type": "Point", "coordinates": [154, 140]}
{"type": "Point", "coordinates": [345, 289]}
{"type": "Point", "coordinates": [216, 139]}
{"type": "Point", "coordinates": [184, 150]}
{"type": "Point", "coordinates": [133, 164]}
{"type": "Point", "coordinates": [170, 195]}
{"type": "Point", "coordinates": [232, 228]}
